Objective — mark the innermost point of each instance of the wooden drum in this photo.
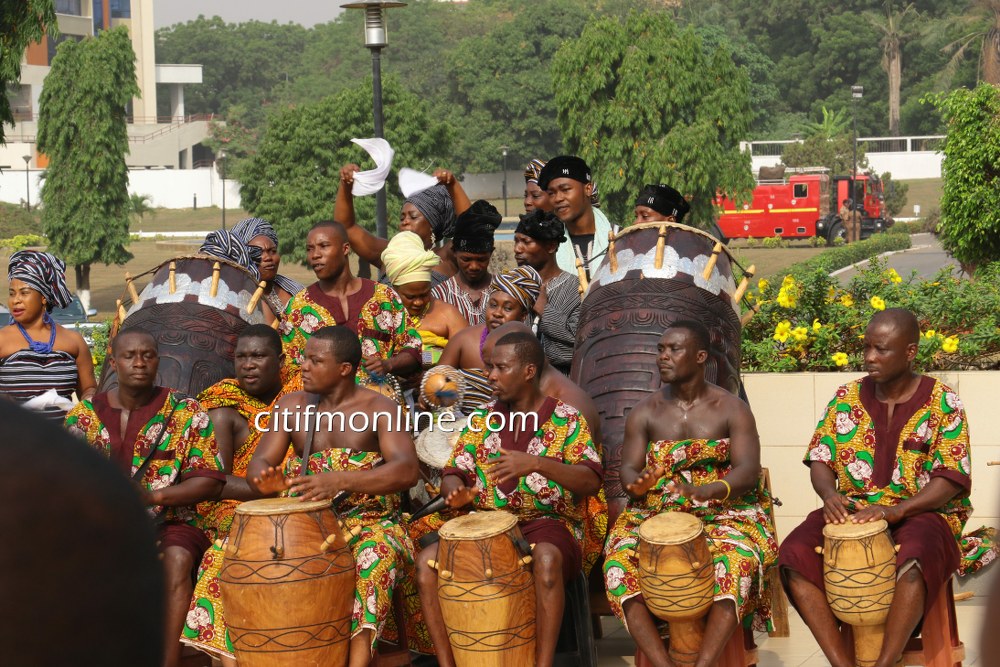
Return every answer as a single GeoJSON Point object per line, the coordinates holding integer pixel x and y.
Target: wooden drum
{"type": "Point", "coordinates": [487, 590]}
{"type": "Point", "coordinates": [859, 573]}
{"type": "Point", "coordinates": [677, 579]}
{"type": "Point", "coordinates": [288, 584]}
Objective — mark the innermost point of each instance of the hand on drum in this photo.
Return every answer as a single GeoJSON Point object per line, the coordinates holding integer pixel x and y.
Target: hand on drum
{"type": "Point", "coordinates": [513, 466]}
{"type": "Point", "coordinates": [876, 513]}
{"type": "Point", "coordinates": [835, 508]}
{"type": "Point", "coordinates": [271, 481]}
{"type": "Point", "coordinates": [646, 480]}
{"type": "Point", "coordinates": [460, 497]}
{"type": "Point", "coordinates": [322, 486]}
{"type": "Point", "coordinates": [700, 493]}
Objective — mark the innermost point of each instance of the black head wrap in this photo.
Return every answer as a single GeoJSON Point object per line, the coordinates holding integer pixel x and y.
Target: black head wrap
{"type": "Point", "coordinates": [474, 228]}
{"type": "Point", "coordinates": [226, 245]}
{"type": "Point", "coordinates": [564, 166]}
{"type": "Point", "coordinates": [664, 200]}
{"type": "Point", "coordinates": [435, 204]}
{"type": "Point", "coordinates": [542, 226]}
{"type": "Point", "coordinates": [43, 272]}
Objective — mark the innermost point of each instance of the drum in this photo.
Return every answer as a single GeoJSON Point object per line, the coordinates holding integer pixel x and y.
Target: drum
{"type": "Point", "coordinates": [194, 307]}
{"type": "Point", "coordinates": [653, 274]}
{"type": "Point", "coordinates": [288, 584]}
{"type": "Point", "coordinates": [677, 579]}
{"type": "Point", "coordinates": [487, 590]}
{"type": "Point", "coordinates": [859, 574]}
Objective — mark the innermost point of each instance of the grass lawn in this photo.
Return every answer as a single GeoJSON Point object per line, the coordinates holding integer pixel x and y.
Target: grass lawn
{"type": "Point", "coordinates": [772, 261]}
{"type": "Point", "coordinates": [187, 220]}
{"type": "Point", "coordinates": [926, 193]}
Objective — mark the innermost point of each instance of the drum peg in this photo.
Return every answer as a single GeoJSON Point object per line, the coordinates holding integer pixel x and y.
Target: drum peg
{"type": "Point", "coordinates": [744, 284]}
{"type": "Point", "coordinates": [433, 564]}
{"type": "Point", "coordinates": [897, 547]}
{"type": "Point", "coordinates": [749, 314]}
{"type": "Point", "coordinates": [526, 560]}
{"type": "Point", "coordinates": [214, 289]}
{"type": "Point", "coordinates": [276, 324]}
{"type": "Point", "coordinates": [173, 277]}
{"type": "Point", "coordinates": [258, 293]}
{"type": "Point", "coordinates": [819, 550]}
{"type": "Point", "coordinates": [445, 574]}
{"type": "Point", "coordinates": [327, 543]}
{"type": "Point", "coordinates": [612, 258]}
{"type": "Point", "coordinates": [121, 311]}
{"type": "Point", "coordinates": [489, 573]}
{"type": "Point", "coordinates": [131, 287]}
{"type": "Point", "coordinates": [277, 552]}
{"type": "Point", "coordinates": [581, 275]}
{"type": "Point", "coordinates": [218, 544]}
{"type": "Point", "coordinates": [661, 244]}
{"type": "Point", "coordinates": [707, 273]}
{"type": "Point", "coordinates": [993, 463]}
{"type": "Point", "coordinates": [431, 489]}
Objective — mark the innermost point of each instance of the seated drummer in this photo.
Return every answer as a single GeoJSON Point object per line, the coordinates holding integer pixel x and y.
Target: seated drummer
{"type": "Point", "coordinates": [893, 445]}
{"type": "Point", "coordinates": [692, 447]}
{"type": "Point", "coordinates": [541, 476]}
{"type": "Point", "coordinates": [370, 464]}
{"type": "Point", "coordinates": [165, 443]}
{"type": "Point", "coordinates": [233, 405]}
{"type": "Point", "coordinates": [660, 203]}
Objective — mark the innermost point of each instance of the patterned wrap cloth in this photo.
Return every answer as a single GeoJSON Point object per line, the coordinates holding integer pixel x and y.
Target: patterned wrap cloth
{"type": "Point", "coordinates": [248, 229]}
{"type": "Point", "coordinates": [380, 322]}
{"type": "Point", "coordinates": [522, 283]}
{"type": "Point", "coordinates": [934, 442]}
{"type": "Point", "coordinates": [436, 206]}
{"type": "Point", "coordinates": [43, 272]}
{"type": "Point", "coordinates": [226, 245]}
{"type": "Point", "coordinates": [740, 531]}
{"type": "Point", "coordinates": [205, 625]}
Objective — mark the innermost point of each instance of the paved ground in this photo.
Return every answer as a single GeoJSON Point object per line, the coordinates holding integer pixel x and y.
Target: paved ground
{"type": "Point", "coordinates": [926, 257]}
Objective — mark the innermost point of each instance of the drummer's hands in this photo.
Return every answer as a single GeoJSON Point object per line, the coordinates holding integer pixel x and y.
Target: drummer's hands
{"type": "Point", "coordinates": [460, 497]}
{"type": "Point", "coordinates": [323, 486]}
{"type": "Point", "coordinates": [513, 466]}
{"type": "Point", "coordinates": [835, 508]}
{"type": "Point", "coordinates": [646, 480]}
{"type": "Point", "coordinates": [700, 493]}
{"type": "Point", "coordinates": [875, 513]}
{"type": "Point", "coordinates": [444, 177]}
{"type": "Point", "coordinates": [347, 175]}
{"type": "Point", "coordinates": [377, 366]}
{"type": "Point", "coordinates": [271, 481]}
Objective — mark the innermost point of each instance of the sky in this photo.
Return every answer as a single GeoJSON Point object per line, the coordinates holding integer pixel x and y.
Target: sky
{"type": "Point", "coordinates": [306, 12]}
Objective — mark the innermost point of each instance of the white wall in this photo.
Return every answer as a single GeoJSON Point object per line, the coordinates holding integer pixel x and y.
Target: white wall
{"type": "Point", "coordinates": [903, 166]}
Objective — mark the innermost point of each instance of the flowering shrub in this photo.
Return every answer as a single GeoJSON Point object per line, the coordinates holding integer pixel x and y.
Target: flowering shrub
{"type": "Point", "coordinates": [810, 322]}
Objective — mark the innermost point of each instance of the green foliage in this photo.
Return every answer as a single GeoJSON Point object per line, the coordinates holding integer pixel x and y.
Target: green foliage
{"type": "Point", "coordinates": [292, 179]}
{"type": "Point", "coordinates": [643, 102]}
{"type": "Point", "coordinates": [21, 23]}
{"type": "Point", "coordinates": [845, 255]}
{"type": "Point", "coordinates": [833, 125]}
{"type": "Point", "coordinates": [895, 193]}
{"type": "Point", "coordinates": [772, 242]}
{"type": "Point", "coordinates": [101, 337]}
{"type": "Point", "coordinates": [81, 127]}
{"type": "Point", "coordinates": [811, 322]}
{"type": "Point", "coordinates": [22, 241]}
{"type": "Point", "coordinates": [835, 154]}
{"type": "Point", "coordinates": [140, 205]}
{"type": "Point", "coordinates": [970, 203]}
{"type": "Point", "coordinates": [15, 220]}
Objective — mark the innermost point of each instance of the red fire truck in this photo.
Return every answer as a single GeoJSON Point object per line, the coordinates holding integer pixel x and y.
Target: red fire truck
{"type": "Point", "coordinates": [804, 204]}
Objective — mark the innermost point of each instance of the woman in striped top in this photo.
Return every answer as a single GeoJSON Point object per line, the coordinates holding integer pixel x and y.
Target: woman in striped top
{"type": "Point", "coordinates": [37, 354]}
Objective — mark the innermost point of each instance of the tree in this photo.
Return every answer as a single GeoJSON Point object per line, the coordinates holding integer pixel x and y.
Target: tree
{"type": "Point", "coordinates": [892, 25]}
{"type": "Point", "coordinates": [140, 205]}
{"type": "Point", "coordinates": [82, 129]}
{"type": "Point", "coordinates": [21, 24]}
{"type": "Point", "coordinates": [970, 202]}
{"type": "Point", "coordinates": [834, 123]}
{"type": "Point", "coordinates": [835, 154]}
{"type": "Point", "coordinates": [293, 178]}
{"type": "Point", "coordinates": [643, 102]}
{"type": "Point", "coordinates": [982, 24]}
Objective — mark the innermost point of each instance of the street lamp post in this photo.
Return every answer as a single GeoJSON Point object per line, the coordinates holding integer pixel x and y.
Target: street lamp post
{"type": "Point", "coordinates": [222, 167]}
{"type": "Point", "coordinates": [375, 40]}
{"type": "Point", "coordinates": [27, 181]}
{"type": "Point", "coordinates": [504, 149]}
{"type": "Point", "coordinates": [856, 93]}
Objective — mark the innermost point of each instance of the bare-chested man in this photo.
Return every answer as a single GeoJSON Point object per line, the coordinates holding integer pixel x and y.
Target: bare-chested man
{"type": "Point", "coordinates": [350, 452]}
{"type": "Point", "coordinates": [692, 447]}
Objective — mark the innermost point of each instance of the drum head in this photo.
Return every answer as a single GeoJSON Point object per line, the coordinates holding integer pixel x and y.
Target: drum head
{"type": "Point", "coordinates": [671, 528]}
{"type": "Point", "coordinates": [434, 445]}
{"type": "Point", "coordinates": [854, 531]}
{"type": "Point", "coordinates": [270, 506]}
{"type": "Point", "coordinates": [478, 525]}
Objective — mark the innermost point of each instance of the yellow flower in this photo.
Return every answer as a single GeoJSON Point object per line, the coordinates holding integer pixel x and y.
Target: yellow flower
{"type": "Point", "coordinates": [950, 344]}
{"type": "Point", "coordinates": [762, 284]}
{"type": "Point", "coordinates": [781, 337]}
{"type": "Point", "coordinates": [800, 334]}
{"type": "Point", "coordinates": [847, 300]}
{"type": "Point", "coordinates": [893, 276]}
{"type": "Point", "coordinates": [840, 358]}
{"type": "Point", "coordinates": [816, 325]}
{"type": "Point", "coordinates": [930, 333]}
{"type": "Point", "coordinates": [782, 330]}
{"type": "Point", "coordinates": [831, 294]}
{"type": "Point", "coordinates": [877, 303]}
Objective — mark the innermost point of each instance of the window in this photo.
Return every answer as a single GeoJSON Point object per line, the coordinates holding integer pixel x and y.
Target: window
{"type": "Point", "coordinates": [121, 9]}
{"type": "Point", "coordinates": [800, 190]}
{"type": "Point", "coordinates": [71, 7]}
{"type": "Point", "coordinates": [98, 16]}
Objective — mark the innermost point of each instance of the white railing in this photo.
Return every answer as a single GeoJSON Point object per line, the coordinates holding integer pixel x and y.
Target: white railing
{"type": "Point", "coordinates": [913, 157]}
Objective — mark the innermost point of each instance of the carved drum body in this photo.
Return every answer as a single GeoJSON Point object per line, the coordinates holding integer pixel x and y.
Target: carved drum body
{"type": "Point", "coordinates": [652, 276]}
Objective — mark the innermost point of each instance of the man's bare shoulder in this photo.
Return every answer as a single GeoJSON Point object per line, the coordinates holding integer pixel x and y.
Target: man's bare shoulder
{"type": "Point", "coordinates": [651, 403]}
{"type": "Point", "coordinates": [295, 400]}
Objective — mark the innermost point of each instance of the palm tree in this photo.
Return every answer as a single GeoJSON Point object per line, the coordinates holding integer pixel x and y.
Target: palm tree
{"type": "Point", "coordinates": [892, 25]}
{"type": "Point", "coordinates": [141, 205]}
{"type": "Point", "coordinates": [980, 25]}
{"type": "Point", "coordinates": [834, 123]}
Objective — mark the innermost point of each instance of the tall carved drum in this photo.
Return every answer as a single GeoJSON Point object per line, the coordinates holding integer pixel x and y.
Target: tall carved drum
{"type": "Point", "coordinates": [288, 584]}
{"type": "Point", "coordinates": [677, 579]}
{"type": "Point", "coordinates": [859, 573]}
{"type": "Point", "coordinates": [195, 307]}
{"type": "Point", "coordinates": [654, 274]}
{"type": "Point", "coordinates": [487, 590]}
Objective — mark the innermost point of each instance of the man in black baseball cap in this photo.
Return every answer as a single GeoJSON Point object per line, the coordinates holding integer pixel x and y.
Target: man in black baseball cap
{"type": "Point", "coordinates": [660, 203]}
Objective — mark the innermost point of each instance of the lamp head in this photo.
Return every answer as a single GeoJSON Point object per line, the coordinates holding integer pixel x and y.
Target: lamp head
{"type": "Point", "coordinates": [27, 159]}
{"type": "Point", "coordinates": [375, 30]}
{"type": "Point", "coordinates": [857, 92]}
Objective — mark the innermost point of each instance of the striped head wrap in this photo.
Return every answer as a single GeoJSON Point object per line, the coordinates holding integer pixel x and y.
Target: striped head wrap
{"type": "Point", "coordinates": [532, 171]}
{"type": "Point", "coordinates": [224, 244]}
{"type": "Point", "coordinates": [43, 272]}
{"type": "Point", "coordinates": [248, 229]}
{"type": "Point", "coordinates": [522, 283]}
{"type": "Point", "coordinates": [435, 204]}
{"type": "Point", "coordinates": [405, 260]}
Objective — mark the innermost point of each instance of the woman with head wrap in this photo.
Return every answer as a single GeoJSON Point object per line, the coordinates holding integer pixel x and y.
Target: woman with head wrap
{"type": "Point", "coordinates": [534, 197]}
{"type": "Point", "coordinates": [259, 233]}
{"type": "Point", "coordinates": [224, 244]}
{"type": "Point", "coordinates": [408, 266]}
{"type": "Point", "coordinates": [42, 363]}
{"type": "Point", "coordinates": [429, 213]}
{"type": "Point", "coordinates": [511, 298]}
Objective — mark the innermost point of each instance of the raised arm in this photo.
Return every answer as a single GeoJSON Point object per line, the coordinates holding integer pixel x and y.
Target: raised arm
{"type": "Point", "coordinates": [368, 246]}
{"type": "Point", "coordinates": [459, 199]}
